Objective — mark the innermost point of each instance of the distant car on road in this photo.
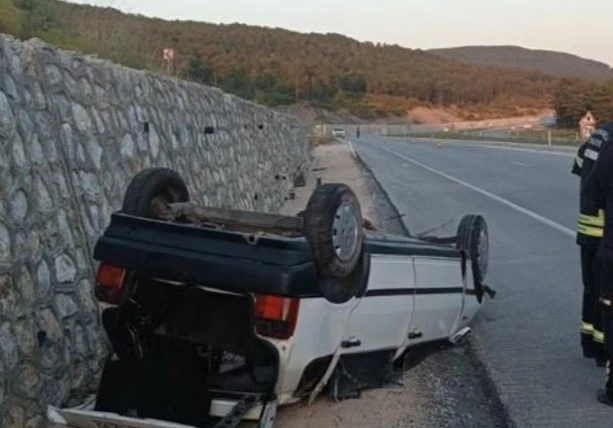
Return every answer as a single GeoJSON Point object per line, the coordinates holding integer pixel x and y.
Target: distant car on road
{"type": "Point", "coordinates": [338, 132]}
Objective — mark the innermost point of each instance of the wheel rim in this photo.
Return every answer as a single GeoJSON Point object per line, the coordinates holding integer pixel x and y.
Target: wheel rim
{"type": "Point", "coordinates": [345, 232]}
{"type": "Point", "coordinates": [483, 252]}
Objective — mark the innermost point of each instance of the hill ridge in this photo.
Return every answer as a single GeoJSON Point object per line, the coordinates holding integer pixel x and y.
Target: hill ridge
{"type": "Point", "coordinates": [552, 62]}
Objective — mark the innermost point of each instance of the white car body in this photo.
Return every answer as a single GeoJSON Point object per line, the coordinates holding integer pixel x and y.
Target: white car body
{"type": "Point", "coordinates": [338, 132]}
{"type": "Point", "coordinates": [409, 300]}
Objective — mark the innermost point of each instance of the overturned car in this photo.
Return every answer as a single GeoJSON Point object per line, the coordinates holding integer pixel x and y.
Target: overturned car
{"type": "Point", "coordinates": [219, 316]}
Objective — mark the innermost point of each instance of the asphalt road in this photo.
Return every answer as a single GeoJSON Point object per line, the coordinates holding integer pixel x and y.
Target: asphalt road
{"type": "Point", "coordinates": [528, 336]}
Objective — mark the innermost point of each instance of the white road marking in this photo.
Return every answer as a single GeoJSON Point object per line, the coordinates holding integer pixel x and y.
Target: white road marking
{"type": "Point", "coordinates": [490, 195]}
{"type": "Point", "coordinates": [521, 149]}
{"type": "Point", "coordinates": [519, 163]}
{"type": "Point", "coordinates": [351, 148]}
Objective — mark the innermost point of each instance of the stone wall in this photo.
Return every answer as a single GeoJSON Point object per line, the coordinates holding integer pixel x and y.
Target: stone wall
{"type": "Point", "coordinates": [73, 131]}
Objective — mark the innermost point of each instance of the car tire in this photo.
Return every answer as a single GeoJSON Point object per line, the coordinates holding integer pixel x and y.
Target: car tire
{"type": "Point", "coordinates": [332, 224]}
{"type": "Point", "coordinates": [150, 187]}
{"type": "Point", "coordinates": [341, 290]}
{"type": "Point", "coordinates": [473, 240]}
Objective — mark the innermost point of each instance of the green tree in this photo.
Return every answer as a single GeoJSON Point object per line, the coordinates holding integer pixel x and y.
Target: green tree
{"type": "Point", "coordinates": [10, 19]}
{"type": "Point", "coordinates": [572, 99]}
{"type": "Point", "coordinates": [198, 70]}
{"type": "Point", "coordinates": [266, 83]}
{"type": "Point", "coordinates": [602, 102]}
{"type": "Point", "coordinates": [36, 17]}
{"type": "Point", "coordinates": [238, 82]}
{"type": "Point", "coordinates": [352, 83]}
{"type": "Point", "coordinates": [322, 92]}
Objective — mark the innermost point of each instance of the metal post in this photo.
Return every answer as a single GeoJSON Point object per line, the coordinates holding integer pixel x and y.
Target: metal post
{"type": "Point", "coordinates": [549, 138]}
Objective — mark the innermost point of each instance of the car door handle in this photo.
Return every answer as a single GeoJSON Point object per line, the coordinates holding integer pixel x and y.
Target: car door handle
{"type": "Point", "coordinates": [352, 342]}
{"type": "Point", "coordinates": [415, 334]}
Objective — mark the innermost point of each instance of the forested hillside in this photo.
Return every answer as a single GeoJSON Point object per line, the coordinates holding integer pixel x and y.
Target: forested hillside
{"type": "Point", "coordinates": [549, 62]}
{"type": "Point", "coordinates": [573, 97]}
{"type": "Point", "coordinates": [280, 67]}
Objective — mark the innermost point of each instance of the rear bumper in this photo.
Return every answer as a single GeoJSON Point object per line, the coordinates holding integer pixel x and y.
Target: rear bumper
{"type": "Point", "coordinates": [216, 258]}
{"type": "Point", "coordinates": [85, 417]}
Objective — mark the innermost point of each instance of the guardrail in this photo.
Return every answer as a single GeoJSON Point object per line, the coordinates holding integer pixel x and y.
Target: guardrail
{"type": "Point", "coordinates": [515, 131]}
{"type": "Point", "coordinates": [541, 137]}
{"type": "Point", "coordinates": [392, 129]}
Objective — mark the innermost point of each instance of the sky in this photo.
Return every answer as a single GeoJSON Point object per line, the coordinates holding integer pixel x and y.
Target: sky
{"type": "Point", "coordinates": [573, 26]}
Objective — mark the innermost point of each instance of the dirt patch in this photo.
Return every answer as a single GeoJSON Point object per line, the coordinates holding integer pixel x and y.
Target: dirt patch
{"type": "Point", "coordinates": [332, 163]}
{"type": "Point", "coordinates": [429, 116]}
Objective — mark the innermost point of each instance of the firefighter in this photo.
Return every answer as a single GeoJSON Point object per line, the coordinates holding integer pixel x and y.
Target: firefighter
{"type": "Point", "coordinates": [589, 233]}
{"type": "Point", "coordinates": [598, 189]}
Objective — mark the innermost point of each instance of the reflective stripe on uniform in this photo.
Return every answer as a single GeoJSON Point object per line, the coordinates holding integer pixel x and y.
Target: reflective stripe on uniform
{"type": "Point", "coordinates": [591, 154]}
{"type": "Point", "coordinates": [595, 232]}
{"type": "Point", "coordinates": [587, 328]}
{"type": "Point", "coordinates": [579, 161]}
{"type": "Point", "coordinates": [591, 220]}
{"type": "Point", "coordinates": [598, 336]}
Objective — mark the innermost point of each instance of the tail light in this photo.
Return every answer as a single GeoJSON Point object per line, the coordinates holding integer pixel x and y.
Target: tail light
{"type": "Point", "coordinates": [276, 316]}
{"type": "Point", "coordinates": [110, 281]}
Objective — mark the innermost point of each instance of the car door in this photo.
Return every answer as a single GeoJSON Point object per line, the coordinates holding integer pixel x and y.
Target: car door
{"type": "Point", "coordinates": [382, 318]}
{"type": "Point", "coordinates": [439, 298]}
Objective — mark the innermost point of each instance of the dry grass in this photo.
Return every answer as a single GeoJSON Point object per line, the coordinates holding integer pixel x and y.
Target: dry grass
{"type": "Point", "coordinates": [431, 115]}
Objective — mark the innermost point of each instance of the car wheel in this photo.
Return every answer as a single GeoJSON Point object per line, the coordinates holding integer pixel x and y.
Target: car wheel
{"type": "Point", "coordinates": [151, 190]}
{"type": "Point", "coordinates": [332, 223]}
{"type": "Point", "coordinates": [473, 240]}
{"type": "Point", "coordinates": [341, 290]}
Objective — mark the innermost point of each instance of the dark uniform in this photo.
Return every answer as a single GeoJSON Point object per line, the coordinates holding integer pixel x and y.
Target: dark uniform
{"type": "Point", "coordinates": [590, 226]}
{"type": "Point", "coordinates": [598, 189]}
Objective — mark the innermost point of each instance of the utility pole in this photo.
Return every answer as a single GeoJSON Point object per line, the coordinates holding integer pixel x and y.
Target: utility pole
{"type": "Point", "coordinates": [175, 42]}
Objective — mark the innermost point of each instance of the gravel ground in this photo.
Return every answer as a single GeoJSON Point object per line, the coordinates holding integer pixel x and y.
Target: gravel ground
{"type": "Point", "coordinates": [448, 389]}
